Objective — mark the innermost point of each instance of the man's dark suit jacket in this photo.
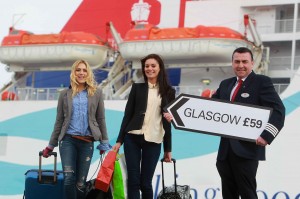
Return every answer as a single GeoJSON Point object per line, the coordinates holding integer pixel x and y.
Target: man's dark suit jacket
{"type": "Point", "coordinates": [257, 90]}
{"type": "Point", "coordinates": [135, 112]}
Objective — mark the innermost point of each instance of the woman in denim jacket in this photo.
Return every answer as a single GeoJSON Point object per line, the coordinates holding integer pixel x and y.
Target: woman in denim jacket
{"type": "Point", "coordinates": [80, 121]}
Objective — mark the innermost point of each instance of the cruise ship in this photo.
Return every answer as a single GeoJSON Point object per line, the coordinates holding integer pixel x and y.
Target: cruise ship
{"type": "Point", "coordinates": [195, 38]}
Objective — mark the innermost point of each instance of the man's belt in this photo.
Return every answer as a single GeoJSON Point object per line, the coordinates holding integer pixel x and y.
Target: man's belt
{"type": "Point", "coordinates": [84, 138]}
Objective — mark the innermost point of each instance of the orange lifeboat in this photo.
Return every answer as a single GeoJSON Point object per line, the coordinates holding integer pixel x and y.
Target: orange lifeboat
{"type": "Point", "coordinates": [24, 51]}
{"type": "Point", "coordinates": [201, 46]}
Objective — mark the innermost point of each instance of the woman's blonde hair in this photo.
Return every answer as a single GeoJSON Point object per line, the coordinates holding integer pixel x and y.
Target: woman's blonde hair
{"type": "Point", "coordinates": [91, 84]}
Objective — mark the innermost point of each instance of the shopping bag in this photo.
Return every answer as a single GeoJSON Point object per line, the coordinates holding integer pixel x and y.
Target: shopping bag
{"type": "Point", "coordinates": [105, 173]}
{"type": "Point", "coordinates": [119, 181]}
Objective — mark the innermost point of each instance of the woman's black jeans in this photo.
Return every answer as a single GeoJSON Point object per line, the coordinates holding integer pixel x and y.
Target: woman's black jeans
{"type": "Point", "coordinates": [141, 160]}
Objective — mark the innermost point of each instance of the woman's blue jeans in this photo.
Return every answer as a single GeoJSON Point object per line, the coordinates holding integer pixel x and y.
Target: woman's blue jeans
{"type": "Point", "coordinates": [76, 156]}
{"type": "Point", "coordinates": [141, 160]}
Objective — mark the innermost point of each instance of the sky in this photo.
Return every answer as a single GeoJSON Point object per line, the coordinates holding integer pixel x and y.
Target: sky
{"type": "Point", "coordinates": [37, 16]}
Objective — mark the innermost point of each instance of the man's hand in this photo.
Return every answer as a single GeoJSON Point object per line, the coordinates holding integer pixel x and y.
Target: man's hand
{"type": "Point", "coordinates": [261, 142]}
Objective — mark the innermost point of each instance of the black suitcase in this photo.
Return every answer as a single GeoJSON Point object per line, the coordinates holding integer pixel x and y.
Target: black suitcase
{"type": "Point", "coordinates": [175, 191]}
{"type": "Point", "coordinates": [44, 184]}
{"type": "Point", "coordinates": [93, 193]}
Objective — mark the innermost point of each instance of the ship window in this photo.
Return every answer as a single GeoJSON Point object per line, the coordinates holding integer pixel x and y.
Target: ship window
{"type": "Point", "coordinates": [140, 26]}
{"type": "Point", "coordinates": [14, 32]}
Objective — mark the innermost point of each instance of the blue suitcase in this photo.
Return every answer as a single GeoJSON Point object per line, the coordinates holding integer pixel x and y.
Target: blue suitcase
{"type": "Point", "coordinates": [44, 184]}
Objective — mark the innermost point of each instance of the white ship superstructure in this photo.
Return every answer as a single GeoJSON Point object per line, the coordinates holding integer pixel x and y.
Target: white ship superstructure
{"type": "Point", "coordinates": [277, 24]}
{"type": "Point", "coordinates": [28, 103]}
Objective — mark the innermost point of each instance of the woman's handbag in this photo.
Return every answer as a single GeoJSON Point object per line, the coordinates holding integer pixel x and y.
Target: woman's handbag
{"type": "Point", "coordinates": [105, 173]}
{"type": "Point", "coordinates": [175, 191]}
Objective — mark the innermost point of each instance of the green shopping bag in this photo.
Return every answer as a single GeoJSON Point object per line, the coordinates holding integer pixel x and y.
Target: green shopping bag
{"type": "Point", "coordinates": [119, 180]}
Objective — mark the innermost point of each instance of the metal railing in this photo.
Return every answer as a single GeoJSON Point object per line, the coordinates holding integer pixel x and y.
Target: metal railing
{"type": "Point", "coordinates": [281, 26]}
{"type": "Point", "coordinates": [280, 87]}
{"type": "Point", "coordinates": [283, 62]}
{"type": "Point", "coordinates": [38, 94]}
{"type": "Point", "coordinates": [284, 25]}
{"type": "Point", "coordinates": [192, 90]}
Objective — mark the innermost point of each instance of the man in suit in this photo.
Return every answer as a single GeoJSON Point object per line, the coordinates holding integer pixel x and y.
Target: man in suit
{"type": "Point", "coordinates": [237, 160]}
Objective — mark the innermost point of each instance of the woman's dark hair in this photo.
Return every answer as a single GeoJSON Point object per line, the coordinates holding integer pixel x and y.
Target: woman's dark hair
{"type": "Point", "coordinates": [243, 50]}
{"type": "Point", "coordinates": [162, 79]}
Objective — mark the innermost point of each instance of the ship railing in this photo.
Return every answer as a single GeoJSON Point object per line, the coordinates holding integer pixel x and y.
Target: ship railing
{"type": "Point", "coordinates": [282, 62]}
{"type": "Point", "coordinates": [37, 94]}
{"type": "Point", "coordinates": [280, 87]}
{"type": "Point", "coordinates": [286, 25]}
{"type": "Point", "coordinates": [46, 94]}
{"type": "Point", "coordinates": [281, 26]}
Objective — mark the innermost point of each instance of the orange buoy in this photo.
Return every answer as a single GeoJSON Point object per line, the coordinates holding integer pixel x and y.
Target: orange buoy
{"type": "Point", "coordinates": [8, 96]}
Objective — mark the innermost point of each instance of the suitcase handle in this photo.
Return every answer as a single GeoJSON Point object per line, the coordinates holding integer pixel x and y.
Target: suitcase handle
{"type": "Point", "coordinates": [163, 177]}
{"type": "Point", "coordinates": [40, 165]}
{"type": "Point", "coordinates": [50, 153]}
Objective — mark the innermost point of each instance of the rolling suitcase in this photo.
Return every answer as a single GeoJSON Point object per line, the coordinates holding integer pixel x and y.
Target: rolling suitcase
{"type": "Point", "coordinates": [175, 191]}
{"type": "Point", "coordinates": [44, 184]}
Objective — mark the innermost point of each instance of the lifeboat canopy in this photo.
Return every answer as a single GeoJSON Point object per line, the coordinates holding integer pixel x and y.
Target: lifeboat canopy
{"type": "Point", "coordinates": [200, 46]}
{"type": "Point", "coordinates": [25, 51]}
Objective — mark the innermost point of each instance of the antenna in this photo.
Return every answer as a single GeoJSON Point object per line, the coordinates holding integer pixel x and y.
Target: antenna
{"type": "Point", "coordinates": [19, 17]}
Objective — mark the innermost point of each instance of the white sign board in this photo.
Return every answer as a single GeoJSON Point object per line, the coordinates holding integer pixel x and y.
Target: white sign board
{"type": "Point", "coordinates": [216, 117]}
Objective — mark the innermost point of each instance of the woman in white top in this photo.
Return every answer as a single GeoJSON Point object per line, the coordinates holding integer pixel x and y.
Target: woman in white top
{"type": "Point", "coordinates": [144, 128]}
